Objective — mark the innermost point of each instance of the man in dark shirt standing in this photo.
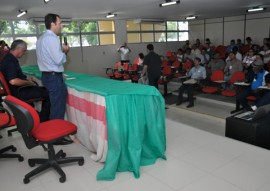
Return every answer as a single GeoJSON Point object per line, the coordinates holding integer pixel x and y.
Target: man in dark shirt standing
{"type": "Point", "coordinates": [152, 66]}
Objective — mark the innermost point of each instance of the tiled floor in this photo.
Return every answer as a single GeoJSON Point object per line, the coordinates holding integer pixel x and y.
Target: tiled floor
{"type": "Point", "coordinates": [198, 159]}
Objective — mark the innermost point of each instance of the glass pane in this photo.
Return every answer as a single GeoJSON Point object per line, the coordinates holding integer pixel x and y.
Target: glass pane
{"type": "Point", "coordinates": [172, 36]}
{"type": "Point", "coordinates": [133, 38]}
{"type": "Point", "coordinates": [41, 28]}
{"type": "Point", "coordinates": [147, 37]}
{"type": "Point", "coordinates": [71, 27]}
{"type": "Point", "coordinates": [107, 39]}
{"type": "Point", "coordinates": [89, 40]}
{"type": "Point", "coordinates": [31, 42]}
{"type": "Point", "coordinates": [106, 26]}
{"type": "Point", "coordinates": [8, 40]}
{"type": "Point", "coordinates": [5, 27]}
{"type": "Point", "coordinates": [73, 40]}
{"type": "Point", "coordinates": [171, 25]}
{"type": "Point", "coordinates": [147, 27]}
{"type": "Point", "coordinates": [183, 36]}
{"type": "Point", "coordinates": [24, 27]}
{"type": "Point", "coordinates": [160, 27]}
{"type": "Point", "coordinates": [131, 26]}
{"type": "Point", "coordinates": [160, 37]}
{"type": "Point", "coordinates": [182, 25]}
{"type": "Point", "coordinates": [89, 26]}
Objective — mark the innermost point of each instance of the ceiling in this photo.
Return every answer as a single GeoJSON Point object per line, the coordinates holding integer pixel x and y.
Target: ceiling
{"type": "Point", "coordinates": [128, 9]}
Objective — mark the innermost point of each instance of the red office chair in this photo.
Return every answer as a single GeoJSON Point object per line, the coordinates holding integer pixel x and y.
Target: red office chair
{"type": "Point", "coordinates": [6, 120]}
{"type": "Point", "coordinates": [47, 133]}
{"type": "Point", "coordinates": [238, 76]}
{"type": "Point", "coordinates": [217, 75]}
{"type": "Point", "coordinates": [6, 91]}
{"type": "Point", "coordinates": [165, 78]}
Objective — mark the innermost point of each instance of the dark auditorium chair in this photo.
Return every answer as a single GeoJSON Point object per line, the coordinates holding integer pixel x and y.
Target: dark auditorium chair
{"type": "Point", "coordinates": [46, 133]}
{"type": "Point", "coordinates": [6, 120]}
{"type": "Point", "coordinates": [6, 91]}
{"type": "Point", "coordinates": [216, 77]}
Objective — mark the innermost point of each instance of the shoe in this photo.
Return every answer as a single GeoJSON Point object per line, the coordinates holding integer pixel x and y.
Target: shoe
{"type": "Point", "coordinates": [179, 102]}
{"type": "Point", "coordinates": [190, 105]}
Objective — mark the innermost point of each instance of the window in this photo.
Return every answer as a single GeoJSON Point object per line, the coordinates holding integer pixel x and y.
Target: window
{"type": "Point", "coordinates": [157, 32]}
{"type": "Point", "coordinates": [93, 33]}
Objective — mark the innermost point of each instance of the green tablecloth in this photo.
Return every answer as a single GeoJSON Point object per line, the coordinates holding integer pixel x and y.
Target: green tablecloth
{"type": "Point", "coordinates": [135, 121]}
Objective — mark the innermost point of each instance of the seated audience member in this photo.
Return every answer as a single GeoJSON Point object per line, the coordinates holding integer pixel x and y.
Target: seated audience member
{"type": "Point", "coordinates": [238, 55]}
{"type": "Point", "coordinates": [180, 55]}
{"type": "Point", "coordinates": [247, 67]}
{"type": "Point", "coordinates": [188, 56]}
{"type": "Point", "coordinates": [208, 42]}
{"type": "Point", "coordinates": [4, 49]}
{"type": "Point", "coordinates": [257, 82]}
{"type": "Point", "coordinates": [266, 53]}
{"type": "Point", "coordinates": [230, 47]}
{"type": "Point", "coordinates": [140, 58]}
{"type": "Point", "coordinates": [265, 41]}
{"type": "Point", "coordinates": [215, 64]}
{"type": "Point", "coordinates": [265, 99]}
{"type": "Point", "coordinates": [255, 48]}
{"type": "Point", "coordinates": [197, 45]}
{"type": "Point", "coordinates": [187, 45]}
{"type": "Point", "coordinates": [205, 58]}
{"type": "Point", "coordinates": [197, 73]}
{"type": "Point", "coordinates": [249, 41]}
{"type": "Point", "coordinates": [16, 79]}
{"type": "Point", "coordinates": [232, 66]}
{"type": "Point", "coordinates": [209, 51]}
{"type": "Point", "coordinates": [239, 43]}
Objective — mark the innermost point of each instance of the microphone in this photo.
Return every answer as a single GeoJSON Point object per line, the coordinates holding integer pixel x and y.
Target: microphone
{"type": "Point", "coordinates": [65, 38]}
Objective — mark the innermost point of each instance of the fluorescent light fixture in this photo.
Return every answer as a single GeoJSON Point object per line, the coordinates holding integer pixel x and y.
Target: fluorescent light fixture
{"type": "Point", "coordinates": [110, 15]}
{"type": "Point", "coordinates": [191, 17]}
{"type": "Point", "coordinates": [254, 9]}
{"type": "Point", "coordinates": [21, 12]}
{"type": "Point", "coordinates": [47, 1]}
{"type": "Point", "coordinates": [169, 2]}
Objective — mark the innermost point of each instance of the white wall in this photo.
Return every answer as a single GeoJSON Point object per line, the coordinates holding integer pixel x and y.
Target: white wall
{"type": "Point", "coordinates": [222, 30]}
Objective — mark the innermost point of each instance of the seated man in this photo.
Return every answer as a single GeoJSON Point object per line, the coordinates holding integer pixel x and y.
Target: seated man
{"type": "Point", "coordinates": [196, 73]}
{"type": "Point", "coordinates": [258, 80]}
{"type": "Point", "coordinates": [265, 99]}
{"type": "Point", "coordinates": [16, 79]}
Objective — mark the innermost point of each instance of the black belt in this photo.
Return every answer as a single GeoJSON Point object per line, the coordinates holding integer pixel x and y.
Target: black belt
{"type": "Point", "coordinates": [53, 73]}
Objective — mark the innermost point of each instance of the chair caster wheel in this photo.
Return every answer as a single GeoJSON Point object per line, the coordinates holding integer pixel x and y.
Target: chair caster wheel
{"type": "Point", "coordinates": [26, 180]}
{"type": "Point", "coordinates": [14, 149]}
{"type": "Point", "coordinates": [31, 163]}
{"type": "Point", "coordinates": [20, 158]}
{"type": "Point", "coordinates": [62, 179]}
{"type": "Point", "coordinates": [81, 162]}
{"type": "Point", "coordinates": [63, 155]}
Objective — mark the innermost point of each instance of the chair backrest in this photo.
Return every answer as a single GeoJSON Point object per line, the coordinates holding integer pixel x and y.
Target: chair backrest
{"type": "Point", "coordinates": [176, 64]}
{"type": "Point", "coordinates": [217, 75]}
{"type": "Point", "coordinates": [187, 65]}
{"type": "Point", "coordinates": [117, 64]}
{"type": "Point", "coordinates": [237, 76]}
{"type": "Point", "coordinates": [5, 118]}
{"type": "Point", "coordinates": [4, 84]}
{"type": "Point", "coordinates": [167, 70]}
{"type": "Point", "coordinates": [27, 119]}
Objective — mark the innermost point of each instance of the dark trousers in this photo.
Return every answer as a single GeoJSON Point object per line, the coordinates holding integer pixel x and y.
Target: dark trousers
{"type": "Point", "coordinates": [57, 92]}
{"type": "Point", "coordinates": [153, 81]}
{"type": "Point", "coordinates": [264, 100]}
{"type": "Point", "coordinates": [241, 97]}
{"type": "Point", "coordinates": [35, 92]}
{"type": "Point", "coordinates": [189, 88]}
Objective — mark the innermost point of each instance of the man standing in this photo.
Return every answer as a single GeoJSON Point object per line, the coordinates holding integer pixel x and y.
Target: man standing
{"type": "Point", "coordinates": [51, 57]}
{"type": "Point", "coordinates": [16, 79]}
{"type": "Point", "coordinates": [152, 66]}
{"type": "Point", "coordinates": [124, 53]}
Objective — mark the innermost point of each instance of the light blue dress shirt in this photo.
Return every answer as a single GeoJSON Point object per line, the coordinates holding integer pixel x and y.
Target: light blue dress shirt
{"type": "Point", "coordinates": [197, 72]}
{"type": "Point", "coordinates": [50, 56]}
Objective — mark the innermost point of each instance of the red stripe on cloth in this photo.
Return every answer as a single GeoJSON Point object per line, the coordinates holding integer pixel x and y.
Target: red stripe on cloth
{"type": "Point", "coordinates": [92, 109]}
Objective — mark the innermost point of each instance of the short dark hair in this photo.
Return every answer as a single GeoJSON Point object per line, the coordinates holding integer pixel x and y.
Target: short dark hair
{"type": "Point", "coordinates": [197, 58]}
{"type": "Point", "coordinates": [17, 43]}
{"type": "Point", "coordinates": [50, 18]}
{"type": "Point", "coordinates": [150, 47]}
{"type": "Point", "coordinates": [141, 55]}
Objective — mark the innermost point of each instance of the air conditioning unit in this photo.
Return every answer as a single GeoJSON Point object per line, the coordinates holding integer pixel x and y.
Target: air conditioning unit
{"type": "Point", "coordinates": [153, 21]}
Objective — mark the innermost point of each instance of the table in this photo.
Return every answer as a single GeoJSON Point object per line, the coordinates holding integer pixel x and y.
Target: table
{"type": "Point", "coordinates": [123, 123]}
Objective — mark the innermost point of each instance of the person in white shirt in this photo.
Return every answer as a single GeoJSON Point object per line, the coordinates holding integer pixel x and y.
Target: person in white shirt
{"type": "Point", "coordinates": [124, 53]}
{"type": "Point", "coordinates": [266, 53]}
